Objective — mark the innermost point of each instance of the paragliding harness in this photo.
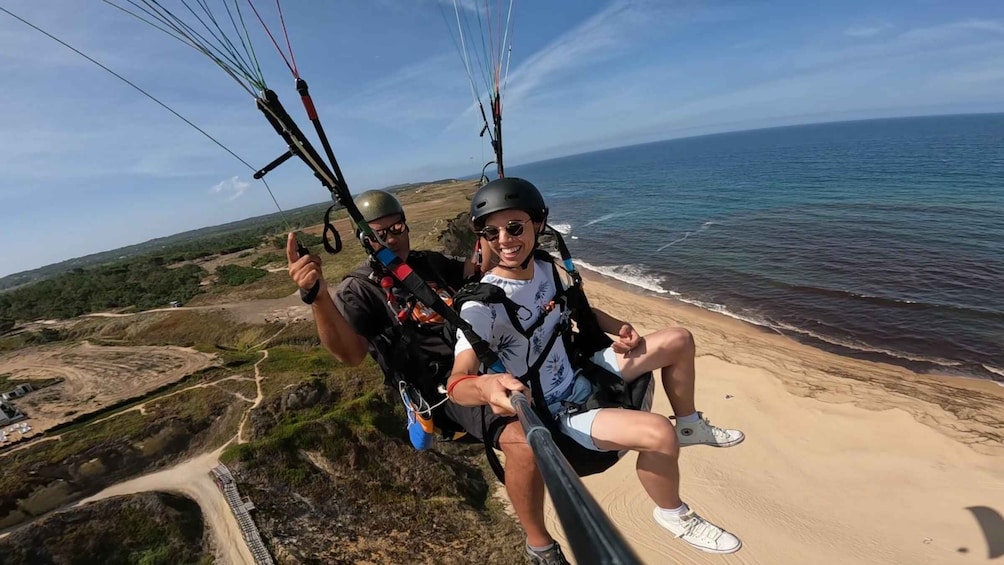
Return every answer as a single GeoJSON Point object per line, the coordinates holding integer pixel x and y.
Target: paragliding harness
{"type": "Point", "coordinates": [415, 372]}
{"type": "Point", "coordinates": [581, 342]}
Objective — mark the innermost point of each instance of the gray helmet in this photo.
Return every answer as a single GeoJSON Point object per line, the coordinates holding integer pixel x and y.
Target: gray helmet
{"type": "Point", "coordinates": [376, 204]}
{"type": "Point", "coordinates": [507, 194]}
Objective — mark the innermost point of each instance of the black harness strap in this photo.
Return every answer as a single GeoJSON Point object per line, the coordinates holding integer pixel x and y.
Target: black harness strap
{"type": "Point", "coordinates": [404, 357]}
{"type": "Point", "coordinates": [609, 390]}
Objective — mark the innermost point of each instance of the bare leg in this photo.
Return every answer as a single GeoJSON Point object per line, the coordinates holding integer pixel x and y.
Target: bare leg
{"type": "Point", "coordinates": [672, 352]}
{"type": "Point", "coordinates": [524, 485]}
{"type": "Point", "coordinates": [654, 437]}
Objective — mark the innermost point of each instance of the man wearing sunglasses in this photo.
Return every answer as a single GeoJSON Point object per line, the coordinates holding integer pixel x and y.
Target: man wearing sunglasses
{"type": "Point", "coordinates": [363, 316]}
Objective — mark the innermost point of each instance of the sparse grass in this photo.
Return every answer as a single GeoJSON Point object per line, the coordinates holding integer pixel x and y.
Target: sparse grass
{"type": "Point", "coordinates": [13, 342]}
{"type": "Point", "coordinates": [272, 285]}
{"type": "Point", "coordinates": [204, 330]}
{"type": "Point", "coordinates": [301, 334]}
{"type": "Point", "coordinates": [335, 267]}
{"type": "Point", "coordinates": [288, 365]}
{"type": "Point", "coordinates": [245, 388]}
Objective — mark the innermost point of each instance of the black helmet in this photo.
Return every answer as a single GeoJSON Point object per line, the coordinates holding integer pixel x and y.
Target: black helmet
{"type": "Point", "coordinates": [507, 194]}
{"type": "Point", "coordinates": [376, 204]}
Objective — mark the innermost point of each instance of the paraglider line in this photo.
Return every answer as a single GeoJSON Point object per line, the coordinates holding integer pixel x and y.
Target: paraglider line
{"type": "Point", "coordinates": [289, 46]}
{"type": "Point", "coordinates": [148, 95]}
{"type": "Point", "coordinates": [231, 66]}
{"type": "Point", "coordinates": [274, 42]}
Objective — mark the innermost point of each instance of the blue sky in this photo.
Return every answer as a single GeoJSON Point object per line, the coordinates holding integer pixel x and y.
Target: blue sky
{"type": "Point", "coordinates": [88, 164]}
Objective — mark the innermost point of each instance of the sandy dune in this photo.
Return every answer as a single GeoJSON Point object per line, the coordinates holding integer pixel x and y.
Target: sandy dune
{"type": "Point", "coordinates": [838, 466]}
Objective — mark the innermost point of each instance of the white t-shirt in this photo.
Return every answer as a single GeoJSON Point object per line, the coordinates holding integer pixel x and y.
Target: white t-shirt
{"type": "Point", "coordinates": [517, 353]}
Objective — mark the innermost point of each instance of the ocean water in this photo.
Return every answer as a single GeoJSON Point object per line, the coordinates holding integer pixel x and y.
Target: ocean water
{"type": "Point", "coordinates": [879, 238]}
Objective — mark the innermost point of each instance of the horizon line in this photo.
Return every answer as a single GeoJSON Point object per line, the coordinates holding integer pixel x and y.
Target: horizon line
{"type": "Point", "coordinates": [530, 163]}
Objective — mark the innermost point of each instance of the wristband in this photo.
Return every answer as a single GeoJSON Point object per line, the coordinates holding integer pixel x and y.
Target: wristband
{"type": "Point", "coordinates": [453, 385]}
{"type": "Point", "coordinates": [308, 296]}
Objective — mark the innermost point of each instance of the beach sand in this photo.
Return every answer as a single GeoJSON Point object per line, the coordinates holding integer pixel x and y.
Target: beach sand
{"type": "Point", "coordinates": [845, 461]}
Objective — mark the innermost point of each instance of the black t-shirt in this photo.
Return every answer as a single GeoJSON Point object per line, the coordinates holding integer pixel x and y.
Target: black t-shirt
{"type": "Point", "coordinates": [364, 304]}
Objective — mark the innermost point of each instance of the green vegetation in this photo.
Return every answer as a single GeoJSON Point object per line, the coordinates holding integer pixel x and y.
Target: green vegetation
{"type": "Point", "coordinates": [206, 331]}
{"type": "Point", "coordinates": [235, 275]}
{"type": "Point", "coordinates": [144, 529]}
{"type": "Point", "coordinates": [306, 239]}
{"type": "Point", "coordinates": [6, 318]}
{"type": "Point", "coordinates": [234, 236]}
{"type": "Point", "coordinates": [106, 446]}
{"type": "Point", "coordinates": [267, 258]}
{"type": "Point", "coordinates": [27, 339]}
{"type": "Point", "coordinates": [341, 449]}
{"type": "Point", "coordinates": [143, 283]}
{"type": "Point", "coordinates": [272, 285]}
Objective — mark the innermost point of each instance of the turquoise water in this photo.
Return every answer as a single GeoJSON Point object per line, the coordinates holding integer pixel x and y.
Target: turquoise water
{"type": "Point", "coordinates": [880, 238]}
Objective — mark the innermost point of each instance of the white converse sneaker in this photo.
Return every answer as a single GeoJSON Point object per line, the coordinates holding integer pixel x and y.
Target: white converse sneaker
{"type": "Point", "coordinates": [699, 532]}
{"type": "Point", "coordinates": [702, 432]}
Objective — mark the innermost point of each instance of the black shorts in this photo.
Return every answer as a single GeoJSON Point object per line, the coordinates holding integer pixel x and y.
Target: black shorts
{"type": "Point", "coordinates": [475, 419]}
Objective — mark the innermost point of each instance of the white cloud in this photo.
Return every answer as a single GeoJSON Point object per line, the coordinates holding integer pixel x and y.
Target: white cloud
{"type": "Point", "coordinates": [949, 67]}
{"type": "Point", "coordinates": [233, 186]}
{"type": "Point", "coordinates": [597, 38]}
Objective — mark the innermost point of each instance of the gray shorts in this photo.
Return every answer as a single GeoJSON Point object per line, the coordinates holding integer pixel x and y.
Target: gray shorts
{"type": "Point", "coordinates": [579, 426]}
{"type": "Point", "coordinates": [472, 418]}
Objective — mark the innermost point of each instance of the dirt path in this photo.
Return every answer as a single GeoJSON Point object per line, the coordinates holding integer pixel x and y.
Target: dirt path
{"type": "Point", "coordinates": [257, 400]}
{"type": "Point", "coordinates": [191, 478]}
{"type": "Point", "coordinates": [141, 408]}
{"type": "Point", "coordinates": [150, 311]}
{"type": "Point", "coordinates": [286, 309]}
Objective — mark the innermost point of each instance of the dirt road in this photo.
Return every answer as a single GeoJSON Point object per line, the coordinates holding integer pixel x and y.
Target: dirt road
{"type": "Point", "coordinates": [191, 478]}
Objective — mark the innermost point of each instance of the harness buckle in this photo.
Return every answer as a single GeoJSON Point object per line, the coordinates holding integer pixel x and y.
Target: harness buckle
{"type": "Point", "coordinates": [565, 321]}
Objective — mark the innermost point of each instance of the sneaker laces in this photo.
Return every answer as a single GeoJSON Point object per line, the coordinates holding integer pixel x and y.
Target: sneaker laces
{"type": "Point", "coordinates": [715, 430]}
{"type": "Point", "coordinates": [694, 525]}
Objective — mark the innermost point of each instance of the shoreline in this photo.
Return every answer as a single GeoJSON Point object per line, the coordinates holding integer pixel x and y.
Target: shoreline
{"type": "Point", "coordinates": [967, 409]}
{"type": "Point", "coordinates": [918, 366]}
{"type": "Point", "coordinates": [845, 460]}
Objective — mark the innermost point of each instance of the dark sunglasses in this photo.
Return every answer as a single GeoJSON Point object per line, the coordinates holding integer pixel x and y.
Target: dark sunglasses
{"type": "Point", "coordinates": [396, 229]}
{"type": "Point", "coordinates": [512, 227]}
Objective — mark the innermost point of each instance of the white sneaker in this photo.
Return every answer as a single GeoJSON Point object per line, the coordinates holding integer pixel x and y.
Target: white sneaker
{"type": "Point", "coordinates": [702, 432]}
{"type": "Point", "coordinates": [699, 532]}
